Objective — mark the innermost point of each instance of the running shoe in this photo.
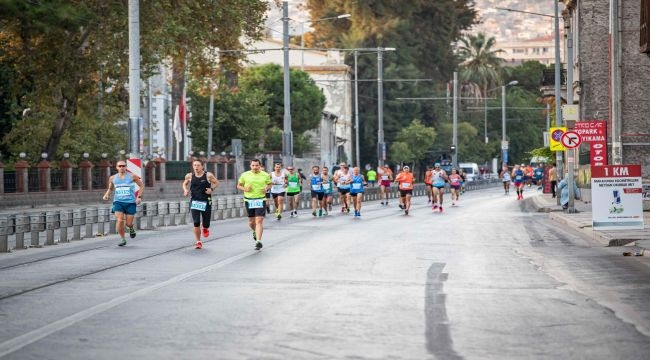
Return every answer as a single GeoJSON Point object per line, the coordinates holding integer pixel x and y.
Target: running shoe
{"type": "Point", "coordinates": [313, 212]}
{"type": "Point", "coordinates": [440, 208]}
{"type": "Point", "coordinates": [382, 203]}
{"type": "Point", "coordinates": [131, 231]}
{"type": "Point", "coordinates": [348, 209]}
{"type": "Point", "coordinates": [453, 203]}
{"type": "Point", "coordinates": [198, 245]}
{"type": "Point", "coordinates": [122, 243]}
{"type": "Point", "coordinates": [291, 215]}
{"type": "Point", "coordinates": [320, 212]}
{"type": "Point", "coordinates": [325, 213]}
{"type": "Point", "coordinates": [342, 209]}
{"type": "Point", "coordinates": [406, 212]}
{"type": "Point", "coordinates": [206, 232]}
{"type": "Point", "coordinates": [254, 235]}
{"type": "Point", "coordinates": [279, 216]}
{"type": "Point", "coordinates": [435, 207]}
{"type": "Point", "coordinates": [258, 245]}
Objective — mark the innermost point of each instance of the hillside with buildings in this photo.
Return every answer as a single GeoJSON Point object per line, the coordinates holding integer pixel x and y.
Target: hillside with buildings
{"type": "Point", "coordinates": [507, 26]}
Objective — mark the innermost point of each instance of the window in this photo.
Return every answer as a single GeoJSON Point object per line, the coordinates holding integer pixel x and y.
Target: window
{"type": "Point", "coordinates": [644, 38]}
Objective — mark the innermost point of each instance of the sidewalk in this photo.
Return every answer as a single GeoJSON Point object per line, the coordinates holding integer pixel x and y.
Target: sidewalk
{"type": "Point", "coordinates": [581, 221]}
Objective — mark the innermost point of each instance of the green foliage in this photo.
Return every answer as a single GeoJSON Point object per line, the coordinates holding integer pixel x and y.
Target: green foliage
{"type": "Point", "coordinates": [307, 104]}
{"type": "Point", "coordinates": [400, 152]}
{"type": "Point", "coordinates": [419, 139]}
{"type": "Point", "coordinates": [481, 63]}
{"type": "Point", "coordinates": [237, 114]}
{"type": "Point", "coordinates": [423, 33]}
{"type": "Point", "coordinates": [52, 53]}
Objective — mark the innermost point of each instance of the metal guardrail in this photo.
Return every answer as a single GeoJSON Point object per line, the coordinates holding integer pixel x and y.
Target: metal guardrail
{"type": "Point", "coordinates": [50, 227]}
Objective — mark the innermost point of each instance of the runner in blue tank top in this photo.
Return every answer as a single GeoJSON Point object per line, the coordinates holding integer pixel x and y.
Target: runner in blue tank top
{"type": "Point", "coordinates": [317, 191]}
{"type": "Point", "coordinates": [356, 190]}
{"type": "Point", "coordinates": [518, 179]}
{"type": "Point", "coordinates": [125, 200]}
{"type": "Point", "coordinates": [328, 184]}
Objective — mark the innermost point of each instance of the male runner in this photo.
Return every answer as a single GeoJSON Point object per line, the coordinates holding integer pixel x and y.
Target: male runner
{"type": "Point", "coordinates": [317, 191]}
{"type": "Point", "coordinates": [342, 180]}
{"type": "Point", "coordinates": [124, 200]}
{"type": "Point", "coordinates": [278, 188]}
{"type": "Point", "coordinates": [294, 185]}
{"type": "Point", "coordinates": [254, 184]}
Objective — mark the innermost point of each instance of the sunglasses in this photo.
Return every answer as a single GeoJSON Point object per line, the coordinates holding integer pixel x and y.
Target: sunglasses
{"type": "Point", "coordinates": [290, 169]}
{"type": "Point", "coordinates": [121, 165]}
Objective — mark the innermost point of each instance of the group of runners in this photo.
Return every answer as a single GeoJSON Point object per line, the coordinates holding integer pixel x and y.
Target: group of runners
{"type": "Point", "coordinates": [261, 189]}
{"type": "Point", "coordinates": [522, 175]}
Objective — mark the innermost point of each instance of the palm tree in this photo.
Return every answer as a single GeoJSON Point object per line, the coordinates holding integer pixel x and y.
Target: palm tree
{"type": "Point", "coordinates": [480, 64]}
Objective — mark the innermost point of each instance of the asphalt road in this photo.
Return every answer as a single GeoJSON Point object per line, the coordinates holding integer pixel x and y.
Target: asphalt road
{"type": "Point", "coordinates": [488, 279]}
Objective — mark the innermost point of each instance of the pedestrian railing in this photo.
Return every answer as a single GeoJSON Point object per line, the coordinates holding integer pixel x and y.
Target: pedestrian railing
{"type": "Point", "coordinates": [65, 225]}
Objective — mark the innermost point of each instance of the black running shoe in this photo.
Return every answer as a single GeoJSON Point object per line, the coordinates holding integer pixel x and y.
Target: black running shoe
{"type": "Point", "coordinates": [131, 231]}
{"type": "Point", "coordinates": [258, 245]}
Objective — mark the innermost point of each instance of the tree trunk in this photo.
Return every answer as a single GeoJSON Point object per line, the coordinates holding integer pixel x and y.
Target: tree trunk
{"type": "Point", "coordinates": [67, 108]}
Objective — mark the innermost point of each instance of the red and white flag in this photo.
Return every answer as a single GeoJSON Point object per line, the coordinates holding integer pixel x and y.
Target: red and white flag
{"type": "Point", "coordinates": [180, 116]}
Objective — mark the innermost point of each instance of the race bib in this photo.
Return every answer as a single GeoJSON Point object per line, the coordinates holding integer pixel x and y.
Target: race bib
{"type": "Point", "coordinates": [198, 205]}
{"type": "Point", "coordinates": [293, 184]}
{"type": "Point", "coordinates": [277, 188]}
{"type": "Point", "coordinates": [122, 191]}
{"type": "Point", "coordinates": [384, 177]}
{"type": "Point", "coordinates": [316, 187]}
{"type": "Point", "coordinates": [518, 177]}
{"type": "Point", "coordinates": [356, 186]}
{"type": "Point", "coordinates": [256, 204]}
{"type": "Point", "coordinates": [406, 185]}
{"type": "Point", "coordinates": [326, 186]}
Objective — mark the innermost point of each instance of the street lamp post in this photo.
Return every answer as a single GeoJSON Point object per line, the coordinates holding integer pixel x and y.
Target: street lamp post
{"type": "Point", "coordinates": [302, 35]}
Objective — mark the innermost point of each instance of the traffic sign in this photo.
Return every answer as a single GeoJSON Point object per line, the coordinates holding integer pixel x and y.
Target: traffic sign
{"type": "Point", "coordinates": [571, 140]}
{"type": "Point", "coordinates": [504, 145]}
{"type": "Point", "coordinates": [556, 136]}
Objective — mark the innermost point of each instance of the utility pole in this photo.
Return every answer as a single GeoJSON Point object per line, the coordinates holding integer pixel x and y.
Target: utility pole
{"type": "Point", "coordinates": [287, 135]}
{"type": "Point", "coordinates": [381, 146]}
{"type": "Point", "coordinates": [454, 136]}
{"type": "Point", "coordinates": [356, 108]}
{"type": "Point", "coordinates": [558, 85]}
{"type": "Point", "coordinates": [134, 78]}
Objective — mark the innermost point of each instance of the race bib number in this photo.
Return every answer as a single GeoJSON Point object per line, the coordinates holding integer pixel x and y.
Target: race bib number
{"type": "Point", "coordinates": [356, 186]}
{"type": "Point", "coordinates": [122, 191]}
{"type": "Point", "coordinates": [198, 205]}
{"type": "Point", "coordinates": [518, 177]}
{"type": "Point", "coordinates": [326, 186]}
{"type": "Point", "coordinates": [316, 187]}
{"type": "Point", "coordinates": [256, 204]}
{"type": "Point", "coordinates": [293, 184]}
{"type": "Point", "coordinates": [384, 177]}
{"type": "Point", "coordinates": [406, 185]}
{"type": "Point", "coordinates": [277, 188]}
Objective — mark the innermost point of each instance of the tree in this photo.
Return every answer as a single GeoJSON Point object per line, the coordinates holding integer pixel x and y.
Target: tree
{"type": "Point", "coordinates": [481, 64]}
{"type": "Point", "coordinates": [58, 53]}
{"type": "Point", "coordinates": [419, 139]}
{"type": "Point", "coordinates": [237, 114]}
{"type": "Point", "coordinates": [307, 103]}
{"type": "Point", "coordinates": [422, 31]}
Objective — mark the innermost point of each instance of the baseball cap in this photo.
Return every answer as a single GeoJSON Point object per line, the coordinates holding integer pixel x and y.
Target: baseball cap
{"type": "Point", "coordinates": [407, 168]}
{"type": "Point", "coordinates": [437, 165]}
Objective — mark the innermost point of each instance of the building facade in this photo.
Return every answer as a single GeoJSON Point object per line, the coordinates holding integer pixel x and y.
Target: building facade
{"type": "Point", "coordinates": [589, 23]}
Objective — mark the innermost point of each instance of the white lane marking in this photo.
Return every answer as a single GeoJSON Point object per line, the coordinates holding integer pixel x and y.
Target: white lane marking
{"type": "Point", "coordinates": [21, 341]}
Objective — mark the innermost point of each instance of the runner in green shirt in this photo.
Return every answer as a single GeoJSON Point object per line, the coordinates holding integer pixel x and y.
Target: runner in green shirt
{"type": "Point", "coordinates": [371, 175]}
{"type": "Point", "coordinates": [254, 183]}
{"type": "Point", "coordinates": [294, 186]}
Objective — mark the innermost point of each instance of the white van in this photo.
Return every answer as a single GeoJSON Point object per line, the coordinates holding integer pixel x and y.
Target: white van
{"type": "Point", "coordinates": [471, 170]}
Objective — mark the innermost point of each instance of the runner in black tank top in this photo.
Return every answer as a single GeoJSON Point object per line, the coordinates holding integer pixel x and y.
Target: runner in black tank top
{"type": "Point", "coordinates": [200, 185]}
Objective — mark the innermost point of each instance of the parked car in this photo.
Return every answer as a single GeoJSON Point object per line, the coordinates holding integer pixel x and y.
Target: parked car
{"type": "Point", "coordinates": [471, 171]}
